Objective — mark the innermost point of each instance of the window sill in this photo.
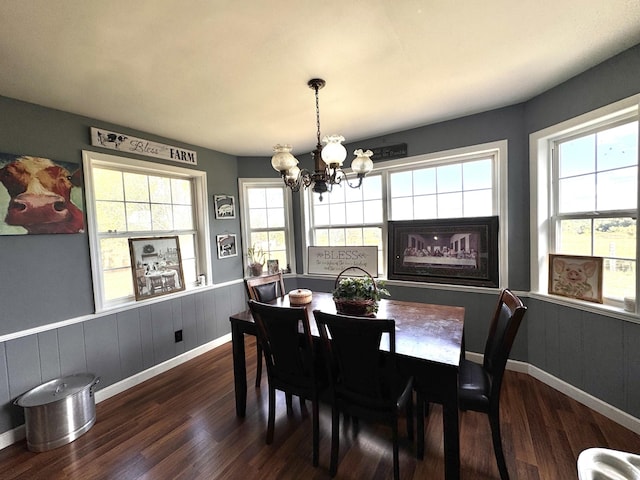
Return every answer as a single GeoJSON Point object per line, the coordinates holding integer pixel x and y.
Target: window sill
{"type": "Point", "coordinates": [597, 308]}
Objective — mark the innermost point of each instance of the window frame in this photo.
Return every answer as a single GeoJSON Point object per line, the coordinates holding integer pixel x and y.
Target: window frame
{"type": "Point", "coordinates": [497, 150]}
{"type": "Point", "coordinates": [544, 192]}
{"type": "Point", "coordinates": [91, 159]}
{"type": "Point", "coordinates": [243, 185]}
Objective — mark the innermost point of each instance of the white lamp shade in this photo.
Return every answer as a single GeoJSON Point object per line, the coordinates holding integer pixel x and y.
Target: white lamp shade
{"type": "Point", "coordinates": [292, 174]}
{"type": "Point", "coordinates": [334, 152]}
{"type": "Point", "coordinates": [362, 164]}
{"type": "Point", "coordinates": [282, 160]}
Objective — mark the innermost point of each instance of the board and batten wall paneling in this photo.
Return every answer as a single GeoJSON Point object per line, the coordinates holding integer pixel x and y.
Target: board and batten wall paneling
{"type": "Point", "coordinates": [114, 347]}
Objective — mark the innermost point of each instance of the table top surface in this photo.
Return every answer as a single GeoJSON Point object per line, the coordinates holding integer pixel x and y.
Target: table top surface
{"type": "Point", "coordinates": [424, 331]}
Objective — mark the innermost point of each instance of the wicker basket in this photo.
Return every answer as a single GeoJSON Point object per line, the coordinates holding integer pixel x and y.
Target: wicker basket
{"type": "Point", "coordinates": [357, 308]}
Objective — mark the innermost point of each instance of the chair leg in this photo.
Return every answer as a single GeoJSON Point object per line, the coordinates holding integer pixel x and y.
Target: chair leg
{"type": "Point", "coordinates": [289, 400]}
{"type": "Point", "coordinates": [272, 415]}
{"type": "Point", "coordinates": [316, 430]}
{"type": "Point", "coordinates": [494, 420]}
{"type": "Point", "coordinates": [258, 364]}
{"type": "Point", "coordinates": [409, 414]}
{"type": "Point", "coordinates": [335, 440]}
{"type": "Point", "coordinates": [396, 460]}
{"type": "Point", "coordinates": [420, 402]}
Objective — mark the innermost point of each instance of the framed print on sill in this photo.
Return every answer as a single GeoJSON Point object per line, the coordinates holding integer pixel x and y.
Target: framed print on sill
{"type": "Point", "coordinates": [156, 266]}
{"type": "Point", "coordinates": [576, 276]}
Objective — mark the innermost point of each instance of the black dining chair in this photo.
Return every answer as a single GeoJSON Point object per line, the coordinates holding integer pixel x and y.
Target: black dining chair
{"type": "Point", "coordinates": [363, 381]}
{"type": "Point", "coordinates": [480, 385]}
{"type": "Point", "coordinates": [265, 289]}
{"type": "Point", "coordinates": [291, 361]}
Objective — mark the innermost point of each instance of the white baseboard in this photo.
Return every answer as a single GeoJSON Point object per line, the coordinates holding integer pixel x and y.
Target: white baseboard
{"type": "Point", "coordinates": [17, 434]}
{"type": "Point", "coordinates": [603, 408]}
{"type": "Point", "coordinates": [11, 436]}
{"type": "Point", "coordinates": [613, 413]}
{"type": "Point", "coordinates": [145, 375]}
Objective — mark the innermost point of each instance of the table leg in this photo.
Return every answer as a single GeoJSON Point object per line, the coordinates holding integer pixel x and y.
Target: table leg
{"type": "Point", "coordinates": [239, 369]}
{"type": "Point", "coordinates": [451, 427]}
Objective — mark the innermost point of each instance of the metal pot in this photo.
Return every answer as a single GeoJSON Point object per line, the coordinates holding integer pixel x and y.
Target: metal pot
{"type": "Point", "coordinates": [59, 411]}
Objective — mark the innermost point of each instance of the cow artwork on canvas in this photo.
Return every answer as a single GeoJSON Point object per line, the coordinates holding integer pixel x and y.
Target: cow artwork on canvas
{"type": "Point", "coordinates": [39, 196]}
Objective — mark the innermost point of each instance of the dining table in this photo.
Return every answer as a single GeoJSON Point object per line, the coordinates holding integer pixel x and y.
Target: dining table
{"type": "Point", "coordinates": [429, 346]}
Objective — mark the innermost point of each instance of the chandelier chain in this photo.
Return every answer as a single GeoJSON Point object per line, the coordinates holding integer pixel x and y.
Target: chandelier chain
{"type": "Point", "coordinates": [317, 113]}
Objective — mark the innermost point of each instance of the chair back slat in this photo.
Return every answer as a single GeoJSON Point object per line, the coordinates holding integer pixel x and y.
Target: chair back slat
{"type": "Point", "coordinates": [357, 368]}
{"type": "Point", "coordinates": [265, 288]}
{"type": "Point", "coordinates": [502, 333]}
{"type": "Point", "coordinates": [285, 336]}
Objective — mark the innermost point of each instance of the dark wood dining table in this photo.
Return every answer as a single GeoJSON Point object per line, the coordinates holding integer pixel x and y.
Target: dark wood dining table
{"type": "Point", "coordinates": [429, 345]}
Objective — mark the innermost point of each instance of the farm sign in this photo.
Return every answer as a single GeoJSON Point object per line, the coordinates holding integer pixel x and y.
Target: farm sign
{"type": "Point", "coordinates": [129, 144]}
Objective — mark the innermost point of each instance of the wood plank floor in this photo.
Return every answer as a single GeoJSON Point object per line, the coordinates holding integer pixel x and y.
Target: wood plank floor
{"type": "Point", "coordinates": [182, 425]}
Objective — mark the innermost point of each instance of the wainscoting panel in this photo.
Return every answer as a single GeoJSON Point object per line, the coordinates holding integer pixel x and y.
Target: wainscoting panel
{"type": "Point", "coordinates": [115, 346]}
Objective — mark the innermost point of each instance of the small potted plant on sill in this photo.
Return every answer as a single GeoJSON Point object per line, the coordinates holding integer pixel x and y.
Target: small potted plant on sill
{"type": "Point", "coordinates": [256, 259]}
{"type": "Point", "coordinates": [358, 296]}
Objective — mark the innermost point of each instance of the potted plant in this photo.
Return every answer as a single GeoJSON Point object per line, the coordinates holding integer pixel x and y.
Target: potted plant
{"type": "Point", "coordinates": [358, 296]}
{"type": "Point", "coordinates": [256, 259]}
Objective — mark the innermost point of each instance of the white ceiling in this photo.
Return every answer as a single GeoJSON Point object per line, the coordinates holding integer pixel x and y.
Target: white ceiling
{"type": "Point", "coordinates": [231, 75]}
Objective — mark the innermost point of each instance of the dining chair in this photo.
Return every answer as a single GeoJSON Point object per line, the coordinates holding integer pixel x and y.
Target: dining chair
{"type": "Point", "coordinates": [480, 385]}
{"type": "Point", "coordinates": [265, 289]}
{"type": "Point", "coordinates": [156, 284]}
{"type": "Point", "coordinates": [363, 381]}
{"type": "Point", "coordinates": [291, 361]}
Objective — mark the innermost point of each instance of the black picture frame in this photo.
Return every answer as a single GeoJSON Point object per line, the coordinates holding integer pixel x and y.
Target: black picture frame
{"type": "Point", "coordinates": [459, 251]}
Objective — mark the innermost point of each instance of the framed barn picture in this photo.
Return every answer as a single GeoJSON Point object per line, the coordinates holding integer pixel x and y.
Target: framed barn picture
{"type": "Point", "coordinates": [225, 206]}
{"type": "Point", "coordinates": [576, 276]}
{"type": "Point", "coordinates": [227, 245]}
{"type": "Point", "coordinates": [156, 266]}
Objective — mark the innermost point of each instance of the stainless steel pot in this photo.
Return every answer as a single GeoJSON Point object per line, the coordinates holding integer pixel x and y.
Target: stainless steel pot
{"type": "Point", "coordinates": [59, 411]}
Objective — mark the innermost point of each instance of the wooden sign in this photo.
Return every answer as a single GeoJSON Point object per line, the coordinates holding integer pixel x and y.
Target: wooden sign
{"type": "Point", "coordinates": [129, 144]}
{"type": "Point", "coordinates": [332, 260]}
{"type": "Point", "coordinates": [389, 152]}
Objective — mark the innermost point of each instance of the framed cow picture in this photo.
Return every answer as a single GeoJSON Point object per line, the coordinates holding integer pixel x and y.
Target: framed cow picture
{"type": "Point", "coordinates": [227, 246]}
{"type": "Point", "coordinates": [39, 196]}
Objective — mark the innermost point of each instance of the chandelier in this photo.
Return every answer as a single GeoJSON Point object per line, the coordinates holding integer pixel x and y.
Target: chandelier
{"type": "Point", "coordinates": [327, 160]}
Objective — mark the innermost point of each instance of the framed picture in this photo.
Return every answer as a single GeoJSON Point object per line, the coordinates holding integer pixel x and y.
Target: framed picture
{"type": "Point", "coordinates": [461, 251]}
{"type": "Point", "coordinates": [156, 266]}
{"type": "Point", "coordinates": [225, 206]}
{"type": "Point", "coordinates": [227, 245]}
{"type": "Point", "coordinates": [40, 196]}
{"type": "Point", "coordinates": [273, 266]}
{"type": "Point", "coordinates": [576, 276]}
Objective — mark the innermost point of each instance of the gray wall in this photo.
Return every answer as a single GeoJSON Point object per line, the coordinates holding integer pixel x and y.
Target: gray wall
{"type": "Point", "coordinates": [592, 352]}
{"type": "Point", "coordinates": [46, 278]}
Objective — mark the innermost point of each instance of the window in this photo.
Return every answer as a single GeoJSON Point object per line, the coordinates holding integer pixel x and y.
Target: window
{"type": "Point", "coordinates": [589, 167]}
{"type": "Point", "coordinates": [266, 218]}
{"type": "Point", "coordinates": [464, 182]}
{"type": "Point", "coordinates": [350, 216]}
{"type": "Point", "coordinates": [128, 198]}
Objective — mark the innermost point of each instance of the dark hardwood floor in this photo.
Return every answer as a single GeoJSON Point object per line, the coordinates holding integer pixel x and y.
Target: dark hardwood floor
{"type": "Point", "coordinates": [182, 425]}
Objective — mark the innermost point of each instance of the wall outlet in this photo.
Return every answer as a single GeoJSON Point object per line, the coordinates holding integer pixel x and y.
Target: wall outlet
{"type": "Point", "coordinates": [178, 335]}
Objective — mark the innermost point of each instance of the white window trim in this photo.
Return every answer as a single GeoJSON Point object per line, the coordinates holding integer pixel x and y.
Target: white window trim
{"type": "Point", "coordinates": [243, 184]}
{"type": "Point", "coordinates": [91, 159]}
{"type": "Point", "coordinates": [499, 149]}
{"type": "Point", "coordinates": [540, 174]}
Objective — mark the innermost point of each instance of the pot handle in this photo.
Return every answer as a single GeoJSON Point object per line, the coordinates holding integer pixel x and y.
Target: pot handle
{"type": "Point", "coordinates": [93, 384]}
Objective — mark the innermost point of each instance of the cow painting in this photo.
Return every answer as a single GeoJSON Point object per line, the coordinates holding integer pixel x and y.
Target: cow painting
{"type": "Point", "coordinates": [39, 196]}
